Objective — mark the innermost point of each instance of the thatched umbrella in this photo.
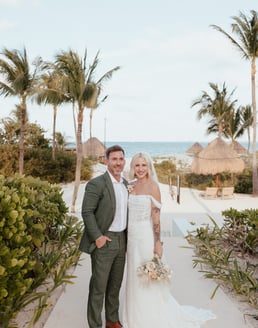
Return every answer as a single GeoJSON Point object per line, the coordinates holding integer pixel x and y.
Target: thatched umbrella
{"type": "Point", "coordinates": [194, 149]}
{"type": "Point", "coordinates": [93, 147]}
{"type": "Point", "coordinates": [239, 148]}
{"type": "Point", "coordinates": [216, 158]}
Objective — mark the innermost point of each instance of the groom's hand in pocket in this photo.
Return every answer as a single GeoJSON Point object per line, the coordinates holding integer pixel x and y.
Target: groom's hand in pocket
{"type": "Point", "coordinates": [101, 241]}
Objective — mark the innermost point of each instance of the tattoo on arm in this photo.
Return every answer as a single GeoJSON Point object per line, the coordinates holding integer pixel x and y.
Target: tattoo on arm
{"type": "Point", "coordinates": [156, 225]}
{"type": "Point", "coordinates": [156, 229]}
{"type": "Point", "coordinates": [156, 210]}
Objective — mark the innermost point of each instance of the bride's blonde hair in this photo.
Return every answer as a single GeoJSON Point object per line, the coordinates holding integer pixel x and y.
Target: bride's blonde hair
{"type": "Point", "coordinates": [151, 170]}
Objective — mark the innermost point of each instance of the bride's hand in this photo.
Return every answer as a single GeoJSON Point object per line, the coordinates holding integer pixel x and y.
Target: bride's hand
{"type": "Point", "coordinates": [158, 248]}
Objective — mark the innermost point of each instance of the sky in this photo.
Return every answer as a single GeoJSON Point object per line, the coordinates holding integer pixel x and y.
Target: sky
{"type": "Point", "coordinates": [167, 51]}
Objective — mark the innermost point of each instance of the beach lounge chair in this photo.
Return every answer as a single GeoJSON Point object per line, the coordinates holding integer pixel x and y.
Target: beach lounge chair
{"type": "Point", "coordinates": [227, 192]}
{"type": "Point", "coordinates": [211, 192]}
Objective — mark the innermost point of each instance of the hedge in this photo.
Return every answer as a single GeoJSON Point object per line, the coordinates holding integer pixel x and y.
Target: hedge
{"type": "Point", "coordinates": [33, 218]}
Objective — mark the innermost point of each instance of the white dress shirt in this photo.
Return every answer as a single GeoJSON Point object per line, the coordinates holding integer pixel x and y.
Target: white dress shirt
{"type": "Point", "coordinates": [120, 220]}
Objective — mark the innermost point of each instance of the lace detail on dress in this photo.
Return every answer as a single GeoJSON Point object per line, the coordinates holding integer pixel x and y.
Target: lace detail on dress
{"type": "Point", "coordinates": [140, 207]}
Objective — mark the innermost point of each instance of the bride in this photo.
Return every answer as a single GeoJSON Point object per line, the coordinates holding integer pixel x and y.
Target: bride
{"type": "Point", "coordinates": [150, 304]}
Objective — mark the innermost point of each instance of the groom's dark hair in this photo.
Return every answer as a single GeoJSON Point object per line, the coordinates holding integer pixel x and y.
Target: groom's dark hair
{"type": "Point", "coordinates": [113, 148]}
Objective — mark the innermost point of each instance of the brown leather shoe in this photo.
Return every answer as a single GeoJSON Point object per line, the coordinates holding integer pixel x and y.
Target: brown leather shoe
{"type": "Point", "coordinates": [113, 324]}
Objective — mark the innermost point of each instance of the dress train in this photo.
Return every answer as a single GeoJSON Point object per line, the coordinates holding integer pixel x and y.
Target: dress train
{"type": "Point", "coordinates": [151, 304]}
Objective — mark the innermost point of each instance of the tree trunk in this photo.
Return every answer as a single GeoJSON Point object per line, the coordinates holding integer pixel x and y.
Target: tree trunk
{"type": "Point", "coordinates": [91, 114]}
{"type": "Point", "coordinates": [74, 122]}
{"type": "Point", "coordinates": [254, 164]}
{"type": "Point", "coordinates": [54, 135]}
{"type": "Point", "coordinates": [78, 159]}
{"type": "Point", "coordinates": [22, 135]}
{"type": "Point", "coordinates": [249, 139]}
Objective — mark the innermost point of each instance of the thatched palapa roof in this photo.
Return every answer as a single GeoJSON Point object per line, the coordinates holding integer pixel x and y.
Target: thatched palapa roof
{"type": "Point", "coordinates": [217, 157]}
{"type": "Point", "coordinates": [239, 148]}
{"type": "Point", "coordinates": [194, 149]}
{"type": "Point", "coordinates": [93, 147]}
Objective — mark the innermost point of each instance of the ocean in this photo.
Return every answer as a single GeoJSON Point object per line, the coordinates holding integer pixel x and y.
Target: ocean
{"type": "Point", "coordinates": [158, 149]}
{"type": "Point", "coordinates": [154, 149]}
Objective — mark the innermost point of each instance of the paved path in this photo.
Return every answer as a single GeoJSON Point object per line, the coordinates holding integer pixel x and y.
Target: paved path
{"type": "Point", "coordinates": [189, 286]}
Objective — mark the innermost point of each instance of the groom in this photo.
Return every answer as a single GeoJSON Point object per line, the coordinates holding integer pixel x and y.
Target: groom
{"type": "Point", "coordinates": [104, 212]}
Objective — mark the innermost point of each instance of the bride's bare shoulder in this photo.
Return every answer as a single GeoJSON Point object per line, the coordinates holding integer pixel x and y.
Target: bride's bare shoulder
{"type": "Point", "coordinates": [155, 191]}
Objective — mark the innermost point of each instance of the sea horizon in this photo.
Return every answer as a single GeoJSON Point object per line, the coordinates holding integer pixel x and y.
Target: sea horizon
{"type": "Point", "coordinates": [160, 148]}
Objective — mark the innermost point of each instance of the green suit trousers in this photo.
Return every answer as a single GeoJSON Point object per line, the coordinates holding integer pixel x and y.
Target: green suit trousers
{"type": "Point", "coordinates": [107, 264]}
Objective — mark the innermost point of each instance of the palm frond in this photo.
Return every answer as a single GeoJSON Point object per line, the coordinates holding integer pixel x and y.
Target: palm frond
{"type": "Point", "coordinates": [234, 42]}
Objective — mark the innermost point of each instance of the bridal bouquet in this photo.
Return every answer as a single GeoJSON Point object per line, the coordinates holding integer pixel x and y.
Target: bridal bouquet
{"type": "Point", "coordinates": [155, 269]}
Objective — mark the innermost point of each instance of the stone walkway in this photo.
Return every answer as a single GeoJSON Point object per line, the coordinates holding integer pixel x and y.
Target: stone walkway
{"type": "Point", "coordinates": [189, 286]}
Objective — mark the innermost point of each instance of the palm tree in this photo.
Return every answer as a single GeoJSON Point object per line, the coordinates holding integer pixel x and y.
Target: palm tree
{"type": "Point", "coordinates": [50, 91]}
{"type": "Point", "coordinates": [11, 131]}
{"type": "Point", "coordinates": [19, 81]}
{"type": "Point", "coordinates": [11, 126]}
{"type": "Point", "coordinates": [247, 121]}
{"type": "Point", "coordinates": [78, 82]}
{"type": "Point", "coordinates": [235, 127]}
{"type": "Point", "coordinates": [60, 141]}
{"type": "Point", "coordinates": [246, 29]}
{"type": "Point", "coordinates": [217, 107]}
{"type": "Point", "coordinates": [92, 110]}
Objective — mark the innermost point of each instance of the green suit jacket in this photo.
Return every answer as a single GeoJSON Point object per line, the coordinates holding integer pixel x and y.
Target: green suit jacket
{"type": "Point", "coordinates": [98, 210]}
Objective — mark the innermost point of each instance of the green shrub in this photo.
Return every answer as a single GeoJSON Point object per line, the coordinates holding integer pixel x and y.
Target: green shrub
{"type": "Point", "coordinates": [38, 163]}
{"type": "Point", "coordinates": [244, 184]}
{"type": "Point", "coordinates": [199, 181]}
{"type": "Point", "coordinates": [228, 254]}
{"type": "Point", "coordinates": [86, 171]}
{"type": "Point", "coordinates": [9, 159]}
{"type": "Point", "coordinates": [241, 230]}
{"type": "Point", "coordinates": [33, 217]}
{"type": "Point", "coordinates": [164, 170]}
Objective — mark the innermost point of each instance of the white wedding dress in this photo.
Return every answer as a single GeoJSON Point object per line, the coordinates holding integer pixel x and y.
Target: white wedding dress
{"type": "Point", "coordinates": [151, 305]}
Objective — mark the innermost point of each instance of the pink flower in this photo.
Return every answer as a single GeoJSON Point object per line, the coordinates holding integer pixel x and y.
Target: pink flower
{"type": "Point", "coordinates": [150, 266]}
{"type": "Point", "coordinates": [155, 270]}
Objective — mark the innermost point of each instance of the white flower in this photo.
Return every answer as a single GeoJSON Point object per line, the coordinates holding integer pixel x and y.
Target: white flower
{"type": "Point", "coordinates": [131, 185]}
{"type": "Point", "coordinates": [155, 270]}
{"type": "Point", "coordinates": [130, 188]}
